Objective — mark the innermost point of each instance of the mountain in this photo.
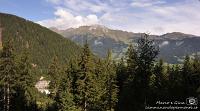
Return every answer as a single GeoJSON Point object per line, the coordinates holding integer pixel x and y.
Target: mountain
{"type": "Point", "coordinates": [42, 43]}
{"type": "Point", "coordinates": [173, 46]}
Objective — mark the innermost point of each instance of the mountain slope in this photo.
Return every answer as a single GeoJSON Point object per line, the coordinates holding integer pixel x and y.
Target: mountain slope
{"type": "Point", "coordinates": [42, 43]}
{"type": "Point", "coordinates": [173, 46]}
{"type": "Point", "coordinates": [98, 30]}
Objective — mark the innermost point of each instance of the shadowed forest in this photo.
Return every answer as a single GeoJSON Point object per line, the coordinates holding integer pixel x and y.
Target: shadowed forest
{"type": "Point", "coordinates": [89, 83]}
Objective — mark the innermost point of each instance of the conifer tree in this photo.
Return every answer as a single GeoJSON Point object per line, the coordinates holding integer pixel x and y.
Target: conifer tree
{"type": "Point", "coordinates": [24, 70]}
{"type": "Point", "coordinates": [54, 73]}
{"type": "Point", "coordinates": [64, 95]}
{"type": "Point", "coordinates": [8, 74]}
{"type": "Point", "coordinates": [85, 84]}
{"type": "Point", "coordinates": [122, 76]}
{"type": "Point", "coordinates": [175, 83]}
{"type": "Point", "coordinates": [186, 73]}
{"type": "Point", "coordinates": [131, 61]}
{"type": "Point", "coordinates": [139, 70]}
{"type": "Point", "coordinates": [147, 52]}
{"type": "Point", "coordinates": [159, 89]}
{"type": "Point", "coordinates": [100, 78]}
{"type": "Point", "coordinates": [194, 78]}
{"type": "Point", "coordinates": [110, 83]}
{"type": "Point", "coordinates": [25, 82]}
{"type": "Point", "coordinates": [126, 89]}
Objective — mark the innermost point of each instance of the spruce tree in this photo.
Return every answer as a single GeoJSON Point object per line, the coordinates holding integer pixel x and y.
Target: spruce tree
{"type": "Point", "coordinates": [55, 74]}
{"type": "Point", "coordinates": [131, 62]}
{"type": "Point", "coordinates": [121, 72]}
{"type": "Point", "coordinates": [8, 75]}
{"type": "Point", "coordinates": [160, 83]}
{"type": "Point", "coordinates": [25, 83]}
{"type": "Point", "coordinates": [147, 52]}
{"type": "Point", "coordinates": [64, 96]}
{"type": "Point", "coordinates": [100, 78]}
{"type": "Point", "coordinates": [175, 83]}
{"type": "Point", "coordinates": [85, 83]}
{"type": "Point", "coordinates": [194, 80]}
{"type": "Point", "coordinates": [127, 88]}
{"type": "Point", "coordinates": [122, 76]}
{"type": "Point", "coordinates": [110, 84]}
{"type": "Point", "coordinates": [186, 73]}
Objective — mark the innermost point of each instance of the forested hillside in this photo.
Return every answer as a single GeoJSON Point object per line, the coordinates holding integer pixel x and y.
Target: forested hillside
{"type": "Point", "coordinates": [87, 83]}
{"type": "Point", "coordinates": [136, 83]}
{"type": "Point", "coordinates": [42, 43]}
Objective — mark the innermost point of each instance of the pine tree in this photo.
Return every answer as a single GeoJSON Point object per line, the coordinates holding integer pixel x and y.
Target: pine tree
{"type": "Point", "coordinates": [194, 80]}
{"type": "Point", "coordinates": [186, 73]}
{"type": "Point", "coordinates": [55, 74]}
{"type": "Point", "coordinates": [175, 83]}
{"type": "Point", "coordinates": [160, 75]}
{"type": "Point", "coordinates": [85, 93]}
{"type": "Point", "coordinates": [147, 52]}
{"type": "Point", "coordinates": [100, 78]}
{"type": "Point", "coordinates": [25, 83]}
{"type": "Point", "coordinates": [127, 88]}
{"type": "Point", "coordinates": [160, 83]}
{"type": "Point", "coordinates": [131, 62]}
{"type": "Point", "coordinates": [121, 72]}
{"type": "Point", "coordinates": [110, 83]}
{"type": "Point", "coordinates": [64, 96]}
{"type": "Point", "coordinates": [8, 75]}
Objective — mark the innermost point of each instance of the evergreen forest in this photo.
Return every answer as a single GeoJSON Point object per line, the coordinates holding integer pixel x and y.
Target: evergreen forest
{"type": "Point", "coordinates": [89, 83]}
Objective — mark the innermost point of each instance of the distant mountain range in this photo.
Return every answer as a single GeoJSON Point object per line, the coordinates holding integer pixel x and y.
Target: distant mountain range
{"type": "Point", "coordinates": [173, 46]}
{"type": "Point", "coordinates": [44, 43]}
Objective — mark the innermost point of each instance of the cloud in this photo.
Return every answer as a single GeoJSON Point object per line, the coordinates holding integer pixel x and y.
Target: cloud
{"type": "Point", "coordinates": [81, 5]}
{"type": "Point", "coordinates": [164, 43]}
{"type": "Point", "coordinates": [64, 19]}
{"type": "Point", "coordinates": [158, 18]}
{"type": "Point", "coordinates": [54, 1]}
{"type": "Point", "coordinates": [96, 42]}
{"type": "Point", "coordinates": [146, 3]}
{"type": "Point", "coordinates": [154, 16]}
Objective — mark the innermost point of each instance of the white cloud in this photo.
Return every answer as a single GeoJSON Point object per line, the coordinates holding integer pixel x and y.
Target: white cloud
{"type": "Point", "coordinates": [164, 10]}
{"type": "Point", "coordinates": [164, 43]}
{"type": "Point", "coordinates": [154, 16]}
{"type": "Point", "coordinates": [81, 5]}
{"type": "Point", "coordinates": [158, 19]}
{"type": "Point", "coordinates": [96, 42]}
{"type": "Point", "coordinates": [54, 1]}
{"type": "Point", "coordinates": [146, 3]}
{"type": "Point", "coordinates": [65, 19]}
{"type": "Point", "coordinates": [139, 4]}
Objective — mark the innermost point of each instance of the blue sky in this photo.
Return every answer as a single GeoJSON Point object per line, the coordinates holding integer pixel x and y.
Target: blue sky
{"type": "Point", "coordinates": [152, 16]}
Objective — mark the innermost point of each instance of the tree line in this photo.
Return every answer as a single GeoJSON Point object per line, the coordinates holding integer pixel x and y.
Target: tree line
{"type": "Point", "coordinates": [88, 83]}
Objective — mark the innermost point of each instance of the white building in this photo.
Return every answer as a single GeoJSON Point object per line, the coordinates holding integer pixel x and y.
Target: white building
{"type": "Point", "coordinates": [42, 86]}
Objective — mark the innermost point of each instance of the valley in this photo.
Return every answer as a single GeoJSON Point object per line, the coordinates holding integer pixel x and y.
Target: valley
{"type": "Point", "coordinates": [173, 46]}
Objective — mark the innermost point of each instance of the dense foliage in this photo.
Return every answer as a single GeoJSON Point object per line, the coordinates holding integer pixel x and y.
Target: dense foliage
{"type": "Point", "coordinates": [43, 44]}
{"type": "Point", "coordinates": [85, 82]}
{"type": "Point", "coordinates": [88, 83]}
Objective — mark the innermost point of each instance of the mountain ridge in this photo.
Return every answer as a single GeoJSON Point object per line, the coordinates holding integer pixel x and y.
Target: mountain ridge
{"type": "Point", "coordinates": [173, 46]}
{"type": "Point", "coordinates": [103, 28]}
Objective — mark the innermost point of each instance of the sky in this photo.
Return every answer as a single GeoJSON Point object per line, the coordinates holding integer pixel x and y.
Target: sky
{"type": "Point", "coordinates": [149, 16]}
